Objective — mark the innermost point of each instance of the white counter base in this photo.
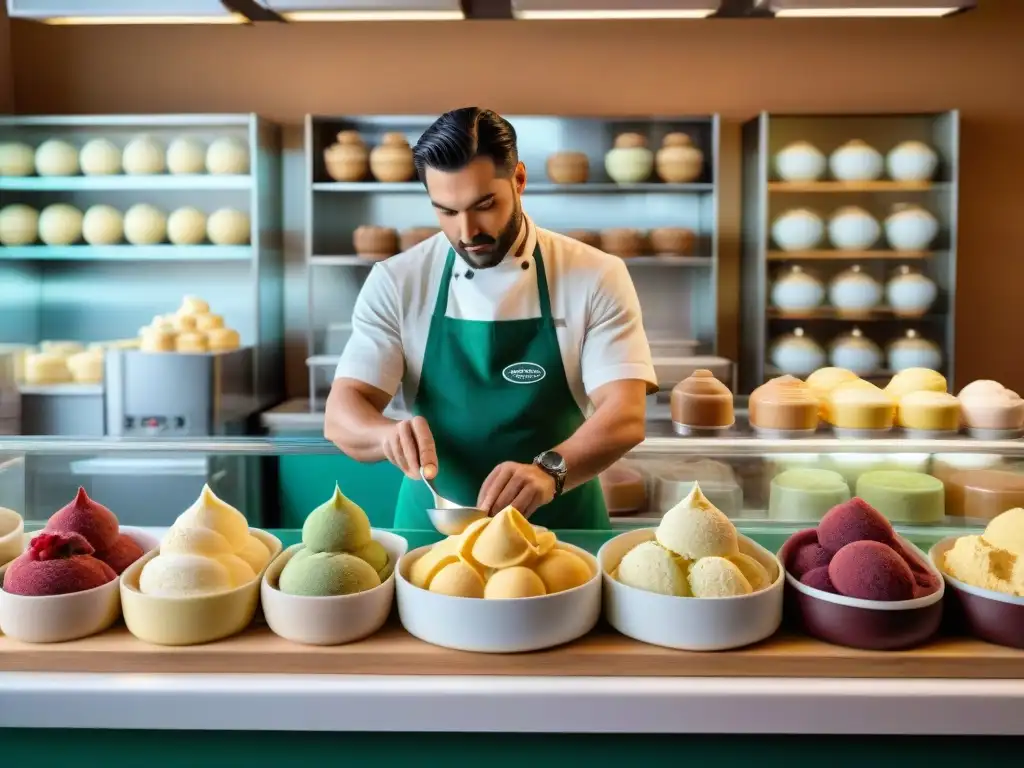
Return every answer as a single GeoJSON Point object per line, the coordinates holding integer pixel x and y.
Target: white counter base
{"type": "Point", "coordinates": [503, 704]}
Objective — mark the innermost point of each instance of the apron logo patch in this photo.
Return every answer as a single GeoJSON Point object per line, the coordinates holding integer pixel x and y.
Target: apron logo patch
{"type": "Point", "coordinates": [523, 373]}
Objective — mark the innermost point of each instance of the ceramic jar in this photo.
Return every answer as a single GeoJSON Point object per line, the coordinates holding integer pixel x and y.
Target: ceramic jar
{"type": "Point", "coordinates": [671, 241]}
{"type": "Point", "coordinates": [414, 236]}
{"type": "Point", "coordinates": [796, 291]}
{"type": "Point", "coordinates": [391, 160]}
{"type": "Point", "coordinates": [910, 228]}
{"type": "Point", "coordinates": [911, 351]}
{"type": "Point", "coordinates": [800, 161]}
{"type": "Point", "coordinates": [17, 159]}
{"type": "Point", "coordinates": [629, 161]}
{"type": "Point", "coordinates": [568, 168]}
{"type": "Point", "coordinates": [856, 353]}
{"type": "Point", "coordinates": [856, 161]}
{"type": "Point", "coordinates": [911, 161]}
{"type": "Point", "coordinates": [678, 161]}
{"type": "Point", "coordinates": [798, 229]}
{"type": "Point", "coordinates": [853, 229]}
{"type": "Point", "coordinates": [852, 292]}
{"type": "Point", "coordinates": [624, 243]}
{"type": "Point", "coordinates": [585, 236]}
{"type": "Point", "coordinates": [909, 293]}
{"type": "Point", "coordinates": [375, 243]}
{"type": "Point", "coordinates": [797, 354]}
{"type": "Point", "coordinates": [348, 159]}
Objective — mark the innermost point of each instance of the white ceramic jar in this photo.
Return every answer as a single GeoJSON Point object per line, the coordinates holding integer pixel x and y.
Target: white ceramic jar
{"type": "Point", "coordinates": [798, 229]}
{"type": "Point", "coordinates": [796, 291]}
{"type": "Point", "coordinates": [909, 293]}
{"type": "Point", "coordinates": [629, 161]}
{"type": "Point", "coordinates": [800, 161]}
{"type": "Point", "coordinates": [911, 161]}
{"type": "Point", "coordinates": [856, 161]}
{"type": "Point", "coordinates": [910, 228]}
{"type": "Point", "coordinates": [797, 354]}
{"type": "Point", "coordinates": [912, 351]}
{"type": "Point", "coordinates": [853, 229]}
{"type": "Point", "coordinates": [854, 292]}
{"type": "Point", "coordinates": [856, 353]}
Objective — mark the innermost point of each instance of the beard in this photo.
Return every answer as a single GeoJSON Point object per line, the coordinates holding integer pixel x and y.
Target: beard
{"type": "Point", "coordinates": [495, 247]}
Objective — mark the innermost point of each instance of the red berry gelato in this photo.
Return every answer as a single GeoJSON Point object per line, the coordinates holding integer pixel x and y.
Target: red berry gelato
{"type": "Point", "coordinates": [808, 557]}
{"type": "Point", "coordinates": [870, 570]}
{"type": "Point", "coordinates": [817, 578]}
{"type": "Point", "coordinates": [853, 520]}
{"type": "Point", "coordinates": [56, 564]}
{"type": "Point", "coordinates": [88, 518]}
{"type": "Point", "coordinates": [124, 552]}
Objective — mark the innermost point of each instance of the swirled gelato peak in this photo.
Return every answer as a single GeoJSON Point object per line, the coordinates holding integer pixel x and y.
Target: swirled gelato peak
{"type": "Point", "coordinates": [209, 511]}
{"type": "Point", "coordinates": [987, 404]}
{"type": "Point", "coordinates": [696, 528]}
{"type": "Point", "coordinates": [88, 518]}
{"type": "Point", "coordinates": [56, 563]}
{"type": "Point", "coordinates": [337, 525]}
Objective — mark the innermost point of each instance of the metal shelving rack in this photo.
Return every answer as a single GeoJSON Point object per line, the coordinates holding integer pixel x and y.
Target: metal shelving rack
{"type": "Point", "coordinates": [765, 197]}
{"type": "Point", "coordinates": [86, 293]}
{"type": "Point", "coordinates": [678, 294]}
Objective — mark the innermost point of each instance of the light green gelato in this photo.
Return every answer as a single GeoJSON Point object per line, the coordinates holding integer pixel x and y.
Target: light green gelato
{"type": "Point", "coordinates": [323, 574]}
{"type": "Point", "coordinates": [374, 553]}
{"type": "Point", "coordinates": [337, 525]}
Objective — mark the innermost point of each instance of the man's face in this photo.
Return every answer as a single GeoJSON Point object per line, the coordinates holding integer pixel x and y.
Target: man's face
{"type": "Point", "coordinates": [479, 211]}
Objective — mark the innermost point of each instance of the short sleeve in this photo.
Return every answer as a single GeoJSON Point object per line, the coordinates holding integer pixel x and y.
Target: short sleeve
{"type": "Point", "coordinates": [615, 346]}
{"type": "Point", "coordinates": [374, 352]}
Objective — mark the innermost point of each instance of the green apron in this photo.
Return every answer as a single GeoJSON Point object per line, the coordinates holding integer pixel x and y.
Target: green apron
{"type": "Point", "coordinates": [494, 392]}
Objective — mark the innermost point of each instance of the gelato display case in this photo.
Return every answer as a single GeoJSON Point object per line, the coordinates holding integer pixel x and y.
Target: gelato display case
{"type": "Point", "coordinates": [795, 582]}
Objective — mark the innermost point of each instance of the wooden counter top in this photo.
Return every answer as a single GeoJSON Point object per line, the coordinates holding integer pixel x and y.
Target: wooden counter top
{"type": "Point", "coordinates": [603, 653]}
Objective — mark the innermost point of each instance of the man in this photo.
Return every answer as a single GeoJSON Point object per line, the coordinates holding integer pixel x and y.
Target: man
{"type": "Point", "coordinates": [497, 336]}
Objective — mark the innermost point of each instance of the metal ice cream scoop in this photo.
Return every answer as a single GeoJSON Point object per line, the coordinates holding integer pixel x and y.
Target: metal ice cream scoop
{"type": "Point", "coordinates": [448, 517]}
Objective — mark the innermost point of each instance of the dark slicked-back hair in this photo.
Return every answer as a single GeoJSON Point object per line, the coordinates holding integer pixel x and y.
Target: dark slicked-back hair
{"type": "Point", "coordinates": [458, 137]}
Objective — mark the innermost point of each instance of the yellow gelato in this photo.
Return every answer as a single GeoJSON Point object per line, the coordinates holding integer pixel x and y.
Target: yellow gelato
{"type": "Point", "coordinates": [695, 553]}
{"type": "Point", "coordinates": [500, 557]}
{"type": "Point", "coordinates": [995, 559]}
{"type": "Point", "coordinates": [207, 549]}
{"type": "Point", "coordinates": [915, 380]}
{"type": "Point", "coordinates": [823, 381]}
{"type": "Point", "coordinates": [338, 554]}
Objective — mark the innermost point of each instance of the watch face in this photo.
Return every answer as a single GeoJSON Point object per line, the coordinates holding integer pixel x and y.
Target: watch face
{"type": "Point", "coordinates": [552, 461]}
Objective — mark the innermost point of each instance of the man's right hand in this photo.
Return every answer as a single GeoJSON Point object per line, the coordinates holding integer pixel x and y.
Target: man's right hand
{"type": "Point", "coordinates": [409, 445]}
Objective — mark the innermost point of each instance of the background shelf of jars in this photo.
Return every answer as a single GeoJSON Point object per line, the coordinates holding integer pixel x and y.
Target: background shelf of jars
{"type": "Point", "coordinates": [849, 243]}
{"type": "Point", "coordinates": [639, 217]}
{"type": "Point", "coordinates": [109, 220]}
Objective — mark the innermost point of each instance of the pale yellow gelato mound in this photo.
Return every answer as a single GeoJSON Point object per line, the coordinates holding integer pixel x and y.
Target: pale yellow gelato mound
{"type": "Point", "coordinates": [514, 582]}
{"type": "Point", "coordinates": [492, 557]}
{"type": "Point", "coordinates": [209, 511]}
{"type": "Point", "coordinates": [915, 380]}
{"type": "Point", "coordinates": [506, 541]}
{"type": "Point", "coordinates": [696, 528]}
{"type": "Point", "coordinates": [1006, 531]}
{"type": "Point", "coordinates": [651, 567]}
{"type": "Point", "coordinates": [994, 560]}
{"type": "Point", "coordinates": [823, 381]}
{"type": "Point", "coordinates": [752, 571]}
{"type": "Point", "coordinates": [255, 553]}
{"type": "Point", "coordinates": [184, 576]}
{"type": "Point", "coordinates": [373, 552]}
{"type": "Point", "coordinates": [560, 570]}
{"type": "Point", "coordinates": [457, 579]}
{"type": "Point", "coordinates": [717, 577]}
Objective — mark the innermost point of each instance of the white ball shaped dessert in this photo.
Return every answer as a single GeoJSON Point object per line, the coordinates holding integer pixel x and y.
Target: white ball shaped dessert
{"type": "Point", "coordinates": [227, 156]}
{"type": "Point", "coordinates": [100, 157]}
{"type": "Point", "coordinates": [19, 225]}
{"type": "Point", "coordinates": [186, 156]}
{"type": "Point", "coordinates": [103, 225]}
{"type": "Point", "coordinates": [228, 226]}
{"type": "Point", "coordinates": [144, 156]}
{"type": "Point", "coordinates": [60, 224]}
{"type": "Point", "coordinates": [56, 158]}
{"type": "Point", "coordinates": [186, 226]}
{"type": "Point", "coordinates": [145, 224]}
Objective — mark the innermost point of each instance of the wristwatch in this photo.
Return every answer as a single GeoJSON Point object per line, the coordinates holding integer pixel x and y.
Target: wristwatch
{"type": "Point", "coordinates": [554, 464]}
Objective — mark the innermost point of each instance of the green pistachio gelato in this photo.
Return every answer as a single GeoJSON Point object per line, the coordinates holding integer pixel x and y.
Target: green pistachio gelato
{"type": "Point", "coordinates": [375, 554]}
{"type": "Point", "coordinates": [337, 525]}
{"type": "Point", "coordinates": [323, 574]}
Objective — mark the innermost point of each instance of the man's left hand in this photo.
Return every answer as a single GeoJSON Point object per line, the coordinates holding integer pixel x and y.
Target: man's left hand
{"type": "Point", "coordinates": [523, 486]}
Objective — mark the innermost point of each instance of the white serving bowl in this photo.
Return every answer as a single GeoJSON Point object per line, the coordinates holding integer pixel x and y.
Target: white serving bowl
{"type": "Point", "coordinates": [191, 620]}
{"type": "Point", "coordinates": [329, 620]}
{"type": "Point", "coordinates": [58, 618]}
{"type": "Point", "coordinates": [12, 531]}
{"type": "Point", "coordinates": [690, 623]}
{"type": "Point", "coordinates": [499, 626]}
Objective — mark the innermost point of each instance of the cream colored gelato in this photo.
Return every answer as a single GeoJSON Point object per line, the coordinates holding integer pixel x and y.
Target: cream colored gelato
{"type": "Point", "coordinates": [651, 567]}
{"type": "Point", "coordinates": [695, 528]}
{"type": "Point", "coordinates": [995, 559]}
{"type": "Point", "coordinates": [988, 404]}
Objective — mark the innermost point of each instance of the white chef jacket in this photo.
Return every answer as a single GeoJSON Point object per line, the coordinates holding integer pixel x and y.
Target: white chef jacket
{"type": "Point", "coordinates": [593, 302]}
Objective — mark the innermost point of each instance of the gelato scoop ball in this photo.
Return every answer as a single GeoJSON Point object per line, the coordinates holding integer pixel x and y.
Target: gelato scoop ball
{"type": "Point", "coordinates": [323, 574]}
{"type": "Point", "coordinates": [854, 520]}
{"type": "Point", "coordinates": [123, 553]}
{"type": "Point", "coordinates": [870, 570]}
{"type": "Point", "coordinates": [817, 578]}
{"type": "Point", "coordinates": [56, 564]}
{"type": "Point", "coordinates": [807, 558]}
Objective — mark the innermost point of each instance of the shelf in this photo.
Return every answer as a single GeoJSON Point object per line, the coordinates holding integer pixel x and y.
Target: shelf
{"type": "Point", "coordinates": [835, 255]}
{"type": "Point", "coordinates": [154, 183]}
{"type": "Point", "coordinates": [635, 261]}
{"type": "Point", "coordinates": [539, 188]}
{"type": "Point", "coordinates": [128, 253]}
{"type": "Point", "coordinates": [852, 186]}
{"type": "Point", "coordinates": [830, 313]}
{"type": "Point", "coordinates": [771, 372]}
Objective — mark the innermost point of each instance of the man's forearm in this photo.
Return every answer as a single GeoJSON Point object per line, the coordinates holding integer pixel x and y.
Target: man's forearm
{"type": "Point", "coordinates": [355, 424]}
{"type": "Point", "coordinates": [609, 434]}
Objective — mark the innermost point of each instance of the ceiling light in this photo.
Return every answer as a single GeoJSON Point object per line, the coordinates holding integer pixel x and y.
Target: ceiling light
{"type": "Point", "coordinates": [368, 10]}
{"type": "Point", "coordinates": [613, 9]}
{"type": "Point", "coordinates": [66, 12]}
{"type": "Point", "coordinates": [821, 9]}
